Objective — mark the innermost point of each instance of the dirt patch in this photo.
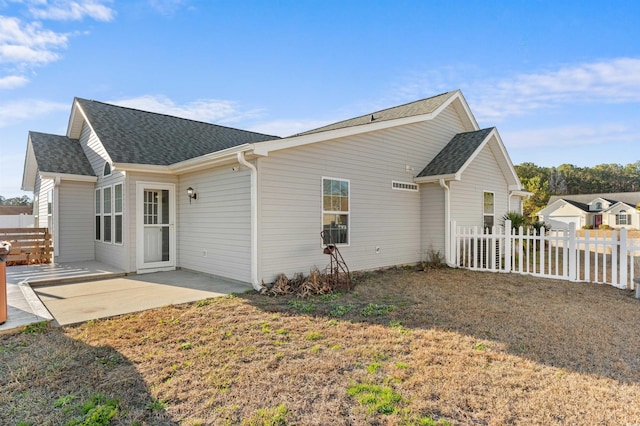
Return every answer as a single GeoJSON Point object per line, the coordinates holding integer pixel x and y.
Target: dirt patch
{"type": "Point", "coordinates": [449, 345]}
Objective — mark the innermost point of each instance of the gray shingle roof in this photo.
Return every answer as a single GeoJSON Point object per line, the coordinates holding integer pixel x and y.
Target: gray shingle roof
{"type": "Point", "coordinates": [423, 106]}
{"type": "Point", "coordinates": [631, 198]}
{"type": "Point", "coordinates": [455, 153]}
{"type": "Point", "coordinates": [581, 206]}
{"type": "Point", "coordinates": [59, 154]}
{"type": "Point", "coordinates": [141, 137]}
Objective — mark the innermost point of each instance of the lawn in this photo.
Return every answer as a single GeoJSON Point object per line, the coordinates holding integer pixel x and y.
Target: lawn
{"type": "Point", "coordinates": [405, 348]}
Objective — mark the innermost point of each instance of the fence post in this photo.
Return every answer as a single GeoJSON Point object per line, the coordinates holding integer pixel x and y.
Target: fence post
{"type": "Point", "coordinates": [572, 252]}
{"type": "Point", "coordinates": [623, 258]}
{"type": "Point", "coordinates": [507, 245]}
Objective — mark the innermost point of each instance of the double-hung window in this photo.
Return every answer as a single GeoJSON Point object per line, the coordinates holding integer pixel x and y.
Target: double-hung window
{"type": "Point", "coordinates": [488, 209]}
{"type": "Point", "coordinates": [106, 214]}
{"type": "Point", "coordinates": [622, 218]}
{"type": "Point", "coordinates": [335, 209]}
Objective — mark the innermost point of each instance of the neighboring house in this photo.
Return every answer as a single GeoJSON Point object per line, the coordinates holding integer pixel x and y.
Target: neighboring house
{"type": "Point", "coordinates": [146, 192]}
{"type": "Point", "coordinates": [16, 217]}
{"type": "Point", "coordinates": [617, 210]}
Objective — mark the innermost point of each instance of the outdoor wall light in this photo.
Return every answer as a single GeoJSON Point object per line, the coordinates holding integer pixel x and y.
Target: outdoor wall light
{"type": "Point", "coordinates": [191, 194]}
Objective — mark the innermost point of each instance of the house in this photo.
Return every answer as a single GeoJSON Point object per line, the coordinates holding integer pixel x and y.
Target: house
{"type": "Point", "coordinates": [148, 192]}
{"type": "Point", "coordinates": [616, 210]}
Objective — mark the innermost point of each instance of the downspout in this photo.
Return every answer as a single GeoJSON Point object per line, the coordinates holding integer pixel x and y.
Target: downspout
{"type": "Point", "coordinates": [254, 219]}
{"type": "Point", "coordinates": [447, 221]}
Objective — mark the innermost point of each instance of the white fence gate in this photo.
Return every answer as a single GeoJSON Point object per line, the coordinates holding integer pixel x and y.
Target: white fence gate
{"type": "Point", "coordinates": [560, 254]}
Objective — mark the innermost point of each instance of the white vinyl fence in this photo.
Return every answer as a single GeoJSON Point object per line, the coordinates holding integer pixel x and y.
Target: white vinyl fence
{"type": "Point", "coordinates": [560, 254]}
{"type": "Point", "coordinates": [17, 221]}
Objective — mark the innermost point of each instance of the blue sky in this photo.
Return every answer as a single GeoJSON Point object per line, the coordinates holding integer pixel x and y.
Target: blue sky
{"type": "Point", "coordinates": [560, 79]}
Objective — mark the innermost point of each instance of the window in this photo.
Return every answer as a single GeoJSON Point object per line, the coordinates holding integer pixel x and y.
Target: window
{"type": "Point", "coordinates": [98, 217]}
{"type": "Point", "coordinates": [106, 214]}
{"type": "Point", "coordinates": [117, 211]}
{"type": "Point", "coordinates": [50, 211]}
{"type": "Point", "coordinates": [622, 218]}
{"type": "Point", "coordinates": [107, 169]}
{"type": "Point", "coordinates": [404, 186]}
{"type": "Point", "coordinates": [335, 209]}
{"type": "Point", "coordinates": [488, 210]}
{"type": "Point", "coordinates": [598, 205]}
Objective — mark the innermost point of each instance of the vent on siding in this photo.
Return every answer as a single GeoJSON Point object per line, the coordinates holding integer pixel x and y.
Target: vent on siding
{"type": "Point", "coordinates": [404, 186]}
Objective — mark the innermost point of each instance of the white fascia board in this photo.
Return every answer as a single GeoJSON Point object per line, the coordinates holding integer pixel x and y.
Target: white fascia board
{"type": "Point", "coordinates": [544, 210]}
{"type": "Point", "coordinates": [68, 176]}
{"type": "Point", "coordinates": [263, 148]}
{"type": "Point", "coordinates": [436, 178]}
{"type": "Point", "coordinates": [505, 154]}
{"type": "Point", "coordinates": [226, 156]}
{"type": "Point", "coordinates": [72, 120]}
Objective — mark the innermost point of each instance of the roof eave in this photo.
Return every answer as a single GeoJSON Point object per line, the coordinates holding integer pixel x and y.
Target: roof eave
{"type": "Point", "coordinates": [30, 168]}
{"type": "Point", "coordinates": [437, 178]}
{"type": "Point", "coordinates": [68, 176]}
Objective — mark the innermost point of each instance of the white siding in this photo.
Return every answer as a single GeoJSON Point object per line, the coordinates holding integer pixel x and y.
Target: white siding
{"type": "Point", "coordinates": [93, 149]}
{"type": "Point", "coordinates": [43, 186]}
{"type": "Point", "coordinates": [433, 220]}
{"type": "Point", "coordinates": [290, 188]}
{"type": "Point", "coordinates": [75, 222]}
{"type": "Point", "coordinates": [483, 174]}
{"type": "Point", "coordinates": [215, 229]}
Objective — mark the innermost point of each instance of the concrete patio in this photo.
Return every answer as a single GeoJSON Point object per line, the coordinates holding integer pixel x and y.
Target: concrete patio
{"type": "Point", "coordinates": [76, 292]}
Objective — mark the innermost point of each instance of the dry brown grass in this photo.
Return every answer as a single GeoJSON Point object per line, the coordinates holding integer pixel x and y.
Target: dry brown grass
{"type": "Point", "coordinates": [467, 347]}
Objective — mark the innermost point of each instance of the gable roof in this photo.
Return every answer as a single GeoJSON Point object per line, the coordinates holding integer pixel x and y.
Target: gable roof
{"type": "Point", "coordinates": [140, 137]}
{"type": "Point", "coordinates": [456, 153]}
{"type": "Point", "coordinates": [420, 107]}
{"type": "Point", "coordinates": [581, 206]}
{"type": "Point", "coordinates": [59, 155]}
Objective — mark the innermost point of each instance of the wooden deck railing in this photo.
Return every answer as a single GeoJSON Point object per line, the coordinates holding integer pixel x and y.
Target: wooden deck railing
{"type": "Point", "coordinates": [28, 245]}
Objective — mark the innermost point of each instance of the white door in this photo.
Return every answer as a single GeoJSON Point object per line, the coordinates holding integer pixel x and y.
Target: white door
{"type": "Point", "coordinates": [155, 227]}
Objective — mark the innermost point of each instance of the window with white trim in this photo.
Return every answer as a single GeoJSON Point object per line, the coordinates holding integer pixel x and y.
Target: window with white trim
{"type": "Point", "coordinates": [118, 204]}
{"type": "Point", "coordinates": [98, 224]}
{"type": "Point", "coordinates": [106, 215]}
{"type": "Point", "coordinates": [335, 209]}
{"type": "Point", "coordinates": [622, 218]}
{"type": "Point", "coordinates": [488, 209]}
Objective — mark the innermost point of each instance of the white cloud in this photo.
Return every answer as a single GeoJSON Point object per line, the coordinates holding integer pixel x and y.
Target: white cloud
{"type": "Point", "coordinates": [28, 43]}
{"type": "Point", "coordinates": [574, 135]}
{"type": "Point", "coordinates": [69, 10]}
{"type": "Point", "coordinates": [12, 81]}
{"type": "Point", "coordinates": [613, 81]}
{"type": "Point", "coordinates": [12, 112]}
{"type": "Point", "coordinates": [207, 110]}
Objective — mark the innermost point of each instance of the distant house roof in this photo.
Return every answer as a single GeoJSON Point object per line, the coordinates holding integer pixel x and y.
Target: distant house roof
{"type": "Point", "coordinates": [581, 206]}
{"type": "Point", "coordinates": [59, 154]}
{"type": "Point", "coordinates": [15, 210]}
{"type": "Point", "coordinates": [423, 106]}
{"type": "Point", "coordinates": [140, 137]}
{"type": "Point", "coordinates": [630, 198]}
{"type": "Point", "coordinates": [456, 153]}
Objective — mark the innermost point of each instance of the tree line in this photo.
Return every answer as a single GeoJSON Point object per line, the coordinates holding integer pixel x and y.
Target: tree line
{"type": "Point", "coordinates": [15, 201]}
{"type": "Point", "coordinates": [543, 182]}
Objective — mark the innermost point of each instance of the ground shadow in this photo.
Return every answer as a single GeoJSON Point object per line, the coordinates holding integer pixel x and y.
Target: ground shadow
{"type": "Point", "coordinates": [48, 378]}
{"type": "Point", "coordinates": [581, 327]}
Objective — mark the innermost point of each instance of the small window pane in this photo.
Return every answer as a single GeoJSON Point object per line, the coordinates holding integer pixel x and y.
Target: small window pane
{"type": "Point", "coordinates": [326, 202]}
{"type": "Point", "coordinates": [97, 201]}
{"type": "Point", "coordinates": [488, 202]}
{"type": "Point", "coordinates": [117, 194]}
{"type": "Point", "coordinates": [107, 229]}
{"type": "Point", "coordinates": [106, 195]}
{"type": "Point", "coordinates": [98, 228]}
{"type": "Point", "coordinates": [118, 229]}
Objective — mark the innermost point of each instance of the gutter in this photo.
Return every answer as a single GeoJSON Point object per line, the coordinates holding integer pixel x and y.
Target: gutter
{"type": "Point", "coordinates": [254, 219]}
